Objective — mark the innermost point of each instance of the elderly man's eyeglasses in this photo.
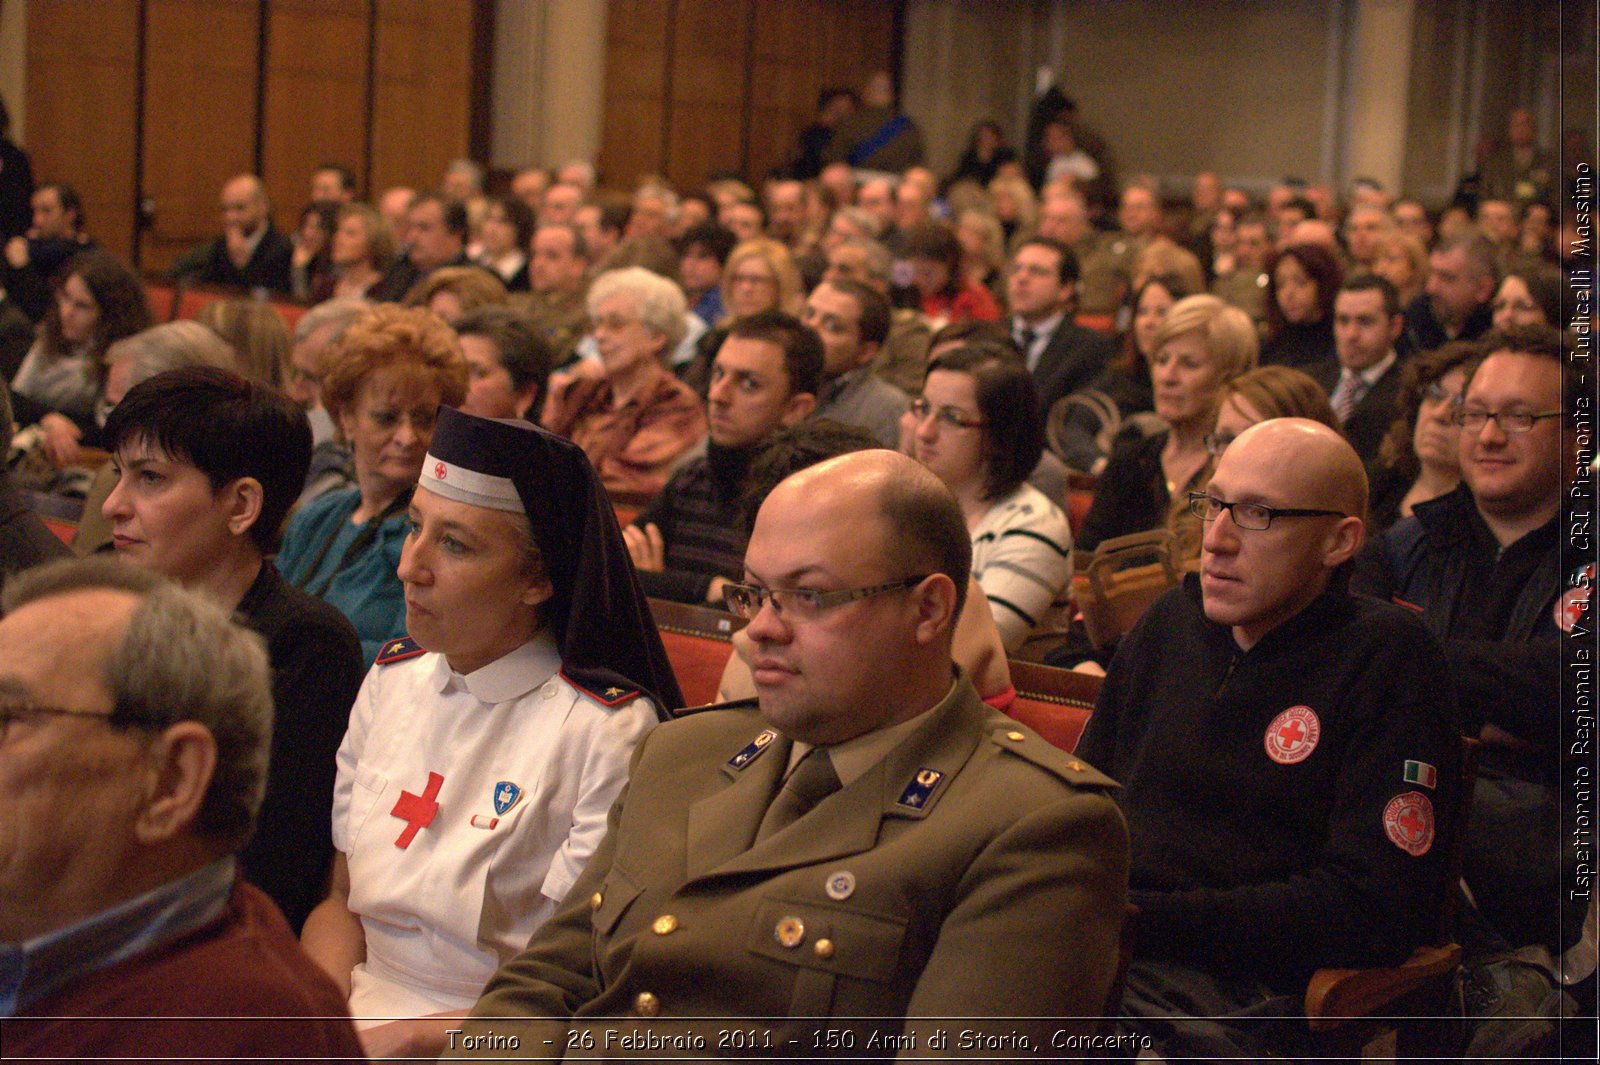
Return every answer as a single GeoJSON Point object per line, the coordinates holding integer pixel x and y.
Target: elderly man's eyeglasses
{"type": "Point", "coordinates": [1257, 517]}
{"type": "Point", "coordinates": [945, 417]}
{"type": "Point", "coordinates": [746, 600]}
{"type": "Point", "coordinates": [26, 712]}
{"type": "Point", "coordinates": [1509, 421]}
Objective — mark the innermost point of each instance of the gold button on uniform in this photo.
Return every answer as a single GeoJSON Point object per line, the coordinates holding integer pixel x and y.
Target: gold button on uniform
{"type": "Point", "coordinates": [647, 1004]}
{"type": "Point", "coordinates": [1015, 737]}
{"type": "Point", "coordinates": [824, 948]}
{"type": "Point", "coordinates": [666, 924]}
{"type": "Point", "coordinates": [595, 900]}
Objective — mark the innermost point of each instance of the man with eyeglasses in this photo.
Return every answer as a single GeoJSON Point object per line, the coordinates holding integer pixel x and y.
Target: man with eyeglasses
{"type": "Point", "coordinates": [134, 727]}
{"type": "Point", "coordinates": [867, 850]}
{"type": "Point", "coordinates": [1288, 755]}
{"type": "Point", "coordinates": [1483, 565]}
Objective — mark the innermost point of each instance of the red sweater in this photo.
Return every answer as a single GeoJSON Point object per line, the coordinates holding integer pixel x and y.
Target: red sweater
{"type": "Point", "coordinates": [238, 988]}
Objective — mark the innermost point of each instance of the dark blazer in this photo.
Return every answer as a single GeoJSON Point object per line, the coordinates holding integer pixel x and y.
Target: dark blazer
{"type": "Point", "coordinates": [1073, 357]}
{"type": "Point", "coordinates": [25, 540]}
{"type": "Point", "coordinates": [1371, 419]}
{"type": "Point", "coordinates": [268, 266]}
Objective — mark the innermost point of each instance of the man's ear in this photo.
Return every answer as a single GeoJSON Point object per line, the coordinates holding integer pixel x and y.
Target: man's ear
{"type": "Point", "coordinates": [1343, 542]}
{"type": "Point", "coordinates": [799, 407]}
{"type": "Point", "coordinates": [182, 761]}
{"type": "Point", "coordinates": [935, 602]}
{"type": "Point", "coordinates": [243, 497]}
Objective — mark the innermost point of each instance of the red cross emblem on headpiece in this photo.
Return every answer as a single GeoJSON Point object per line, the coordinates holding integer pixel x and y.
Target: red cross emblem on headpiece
{"type": "Point", "coordinates": [439, 469]}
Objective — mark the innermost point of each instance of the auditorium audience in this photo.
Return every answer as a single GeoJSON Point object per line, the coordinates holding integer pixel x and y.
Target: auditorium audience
{"type": "Point", "coordinates": [1363, 383]}
{"type": "Point", "coordinates": [508, 363]}
{"type": "Point", "coordinates": [316, 335]}
{"type": "Point", "coordinates": [435, 237]}
{"type": "Point", "coordinates": [1462, 277]}
{"type": "Point", "coordinates": [32, 258]}
{"type": "Point", "coordinates": [947, 294]}
{"type": "Point", "coordinates": [1403, 262]}
{"type": "Point", "coordinates": [853, 321]}
{"type": "Point", "coordinates": [257, 335]}
{"type": "Point", "coordinates": [452, 291]}
{"type": "Point", "coordinates": [1041, 286]}
{"type": "Point", "coordinates": [311, 275]}
{"type": "Point", "coordinates": [386, 378]}
{"type": "Point", "coordinates": [504, 239]}
{"type": "Point", "coordinates": [558, 277]}
{"type": "Point", "coordinates": [1530, 294]}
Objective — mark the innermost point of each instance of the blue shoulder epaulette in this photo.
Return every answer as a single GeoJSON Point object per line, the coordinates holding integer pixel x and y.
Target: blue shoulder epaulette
{"type": "Point", "coordinates": [399, 650]}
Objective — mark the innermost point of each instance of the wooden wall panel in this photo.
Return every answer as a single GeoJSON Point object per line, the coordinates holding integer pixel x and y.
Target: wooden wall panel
{"type": "Point", "coordinates": [316, 97]}
{"type": "Point", "coordinates": [633, 138]}
{"type": "Point", "coordinates": [199, 116]}
{"type": "Point", "coordinates": [696, 86]}
{"type": "Point", "coordinates": [422, 90]}
{"type": "Point", "coordinates": [82, 92]}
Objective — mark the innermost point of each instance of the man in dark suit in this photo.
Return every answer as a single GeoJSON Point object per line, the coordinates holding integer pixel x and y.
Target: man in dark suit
{"type": "Point", "coordinates": [1364, 384]}
{"type": "Point", "coordinates": [250, 253]}
{"type": "Point", "coordinates": [1040, 286]}
{"type": "Point", "coordinates": [1463, 274]}
{"type": "Point", "coordinates": [438, 238]}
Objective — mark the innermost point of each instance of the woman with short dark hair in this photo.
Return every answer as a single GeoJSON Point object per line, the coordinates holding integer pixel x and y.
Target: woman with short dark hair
{"type": "Point", "coordinates": [977, 428]}
{"type": "Point", "coordinates": [1302, 282]}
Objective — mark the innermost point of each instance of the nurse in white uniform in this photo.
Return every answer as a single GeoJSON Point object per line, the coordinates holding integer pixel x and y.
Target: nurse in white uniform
{"type": "Point", "coordinates": [485, 749]}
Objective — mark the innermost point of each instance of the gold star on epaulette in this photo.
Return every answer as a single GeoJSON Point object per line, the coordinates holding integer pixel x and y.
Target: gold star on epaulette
{"type": "Point", "coordinates": [612, 693]}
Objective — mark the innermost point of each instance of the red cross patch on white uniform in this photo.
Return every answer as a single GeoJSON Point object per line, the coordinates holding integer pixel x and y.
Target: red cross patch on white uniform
{"type": "Point", "coordinates": [1293, 735]}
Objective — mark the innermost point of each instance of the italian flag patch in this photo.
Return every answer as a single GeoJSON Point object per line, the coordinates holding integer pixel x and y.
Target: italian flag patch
{"type": "Point", "coordinates": [1421, 773]}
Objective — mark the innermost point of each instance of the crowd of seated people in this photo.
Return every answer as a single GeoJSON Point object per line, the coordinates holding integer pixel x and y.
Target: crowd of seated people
{"type": "Point", "coordinates": [1011, 332]}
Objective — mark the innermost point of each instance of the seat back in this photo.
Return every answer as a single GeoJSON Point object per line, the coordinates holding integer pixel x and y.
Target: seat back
{"type": "Point", "coordinates": [1120, 579]}
{"type": "Point", "coordinates": [698, 642]}
{"type": "Point", "coordinates": [1055, 703]}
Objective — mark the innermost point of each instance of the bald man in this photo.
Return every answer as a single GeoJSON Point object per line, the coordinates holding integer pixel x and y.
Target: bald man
{"type": "Point", "coordinates": [250, 254]}
{"type": "Point", "coordinates": [1289, 758]}
{"type": "Point", "coordinates": [868, 844]}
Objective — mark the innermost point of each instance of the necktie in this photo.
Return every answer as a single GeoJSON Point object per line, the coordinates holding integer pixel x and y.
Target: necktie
{"type": "Point", "coordinates": [812, 781]}
{"type": "Point", "coordinates": [1025, 341]}
{"type": "Point", "coordinates": [1349, 393]}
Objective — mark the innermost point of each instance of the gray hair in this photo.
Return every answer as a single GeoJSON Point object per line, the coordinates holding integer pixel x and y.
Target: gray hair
{"type": "Point", "coordinates": [338, 313]}
{"type": "Point", "coordinates": [172, 346]}
{"type": "Point", "coordinates": [880, 260]}
{"type": "Point", "coordinates": [181, 659]}
{"type": "Point", "coordinates": [660, 302]}
{"type": "Point", "coordinates": [865, 221]}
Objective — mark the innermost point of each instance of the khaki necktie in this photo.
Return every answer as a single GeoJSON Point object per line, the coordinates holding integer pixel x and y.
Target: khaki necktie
{"type": "Point", "coordinates": [812, 781]}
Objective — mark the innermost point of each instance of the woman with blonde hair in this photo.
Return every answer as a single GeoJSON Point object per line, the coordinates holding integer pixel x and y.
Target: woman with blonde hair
{"type": "Point", "coordinates": [1202, 343]}
{"type": "Point", "coordinates": [760, 275]}
{"type": "Point", "coordinates": [361, 250]}
{"type": "Point", "coordinates": [257, 334]}
{"type": "Point", "coordinates": [983, 249]}
{"type": "Point", "coordinates": [1403, 262]}
{"type": "Point", "coordinates": [385, 381]}
{"type": "Point", "coordinates": [1015, 206]}
{"type": "Point", "coordinates": [454, 291]}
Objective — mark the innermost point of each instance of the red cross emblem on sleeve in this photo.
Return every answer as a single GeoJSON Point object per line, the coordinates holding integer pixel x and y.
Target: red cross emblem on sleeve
{"type": "Point", "coordinates": [1293, 735]}
{"type": "Point", "coordinates": [417, 811]}
{"type": "Point", "coordinates": [1408, 822]}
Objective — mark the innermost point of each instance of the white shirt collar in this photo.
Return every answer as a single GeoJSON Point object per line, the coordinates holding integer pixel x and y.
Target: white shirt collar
{"type": "Point", "coordinates": [1373, 373]}
{"type": "Point", "coordinates": [508, 677]}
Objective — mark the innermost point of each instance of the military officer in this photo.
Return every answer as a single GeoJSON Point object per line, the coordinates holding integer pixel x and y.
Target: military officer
{"type": "Point", "coordinates": [871, 844]}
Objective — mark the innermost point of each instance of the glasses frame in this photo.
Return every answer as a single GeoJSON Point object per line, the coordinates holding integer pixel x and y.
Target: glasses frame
{"type": "Point", "coordinates": [813, 602]}
{"type": "Point", "coordinates": [114, 719]}
{"type": "Point", "coordinates": [1499, 418]}
{"type": "Point", "coordinates": [1200, 507]}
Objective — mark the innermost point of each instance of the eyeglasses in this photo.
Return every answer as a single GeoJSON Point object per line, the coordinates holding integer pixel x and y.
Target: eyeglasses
{"type": "Point", "coordinates": [746, 600]}
{"type": "Point", "coordinates": [1436, 393]}
{"type": "Point", "coordinates": [947, 417]}
{"type": "Point", "coordinates": [1508, 421]}
{"type": "Point", "coordinates": [1217, 443]}
{"type": "Point", "coordinates": [24, 712]}
{"type": "Point", "coordinates": [1257, 517]}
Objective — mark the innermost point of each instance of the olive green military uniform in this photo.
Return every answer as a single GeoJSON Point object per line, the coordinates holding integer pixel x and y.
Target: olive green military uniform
{"type": "Point", "coordinates": [975, 872]}
{"type": "Point", "coordinates": [562, 319]}
{"type": "Point", "coordinates": [1246, 290]}
{"type": "Point", "coordinates": [1106, 270]}
{"type": "Point", "coordinates": [903, 359]}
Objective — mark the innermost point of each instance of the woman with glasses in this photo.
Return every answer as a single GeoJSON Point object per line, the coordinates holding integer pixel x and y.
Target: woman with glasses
{"type": "Point", "coordinates": [978, 429]}
{"type": "Point", "coordinates": [484, 750]}
{"type": "Point", "coordinates": [1418, 460]}
{"type": "Point", "coordinates": [1200, 345]}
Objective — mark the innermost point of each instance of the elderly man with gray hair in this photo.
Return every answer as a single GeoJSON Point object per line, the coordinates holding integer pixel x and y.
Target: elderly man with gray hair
{"type": "Point", "coordinates": [135, 720]}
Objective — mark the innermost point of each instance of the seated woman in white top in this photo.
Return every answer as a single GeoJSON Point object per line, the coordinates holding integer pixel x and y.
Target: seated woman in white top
{"type": "Point", "coordinates": [486, 747]}
{"type": "Point", "coordinates": [978, 428]}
